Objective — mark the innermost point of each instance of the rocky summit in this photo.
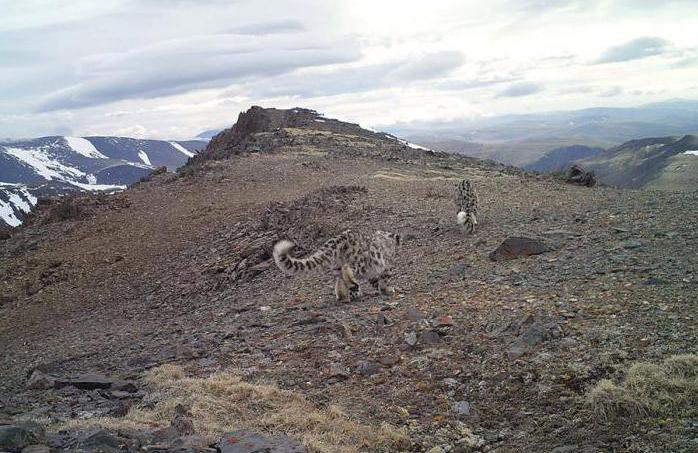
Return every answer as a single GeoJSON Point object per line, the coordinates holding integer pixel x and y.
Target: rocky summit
{"type": "Point", "coordinates": [154, 319]}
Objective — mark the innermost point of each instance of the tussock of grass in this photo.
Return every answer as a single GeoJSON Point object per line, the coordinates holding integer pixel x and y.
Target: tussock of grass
{"type": "Point", "coordinates": [650, 390]}
{"type": "Point", "coordinates": [223, 402]}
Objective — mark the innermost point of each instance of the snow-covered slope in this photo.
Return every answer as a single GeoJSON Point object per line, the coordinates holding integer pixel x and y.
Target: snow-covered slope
{"type": "Point", "coordinates": [59, 165]}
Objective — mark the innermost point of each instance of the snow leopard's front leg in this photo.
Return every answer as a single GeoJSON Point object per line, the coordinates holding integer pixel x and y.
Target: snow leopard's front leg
{"type": "Point", "coordinates": [346, 287]}
{"type": "Point", "coordinates": [381, 285]}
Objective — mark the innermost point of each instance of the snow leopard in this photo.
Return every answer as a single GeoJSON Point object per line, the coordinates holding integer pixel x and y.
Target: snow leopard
{"type": "Point", "coordinates": [466, 204]}
{"type": "Point", "coordinates": [352, 255]}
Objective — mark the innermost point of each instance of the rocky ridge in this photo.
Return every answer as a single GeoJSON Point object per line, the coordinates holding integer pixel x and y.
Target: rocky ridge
{"type": "Point", "coordinates": [471, 354]}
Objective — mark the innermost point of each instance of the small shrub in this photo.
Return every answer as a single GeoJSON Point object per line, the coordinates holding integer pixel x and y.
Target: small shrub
{"type": "Point", "coordinates": [649, 390]}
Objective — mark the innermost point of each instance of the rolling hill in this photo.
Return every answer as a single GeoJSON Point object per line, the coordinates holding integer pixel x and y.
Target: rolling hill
{"type": "Point", "coordinates": [668, 163]}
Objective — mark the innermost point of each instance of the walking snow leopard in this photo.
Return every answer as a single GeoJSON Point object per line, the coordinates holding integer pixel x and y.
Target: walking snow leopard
{"type": "Point", "coordinates": [466, 203]}
{"type": "Point", "coordinates": [352, 255]}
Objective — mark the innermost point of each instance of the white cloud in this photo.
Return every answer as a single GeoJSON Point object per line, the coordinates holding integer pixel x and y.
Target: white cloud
{"type": "Point", "coordinates": [168, 68]}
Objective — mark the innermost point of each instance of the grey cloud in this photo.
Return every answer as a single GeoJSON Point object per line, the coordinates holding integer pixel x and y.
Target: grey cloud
{"type": "Point", "coordinates": [611, 92]}
{"type": "Point", "coordinates": [459, 85]}
{"type": "Point", "coordinates": [520, 89]}
{"type": "Point", "coordinates": [429, 66]}
{"type": "Point", "coordinates": [633, 50]}
{"type": "Point", "coordinates": [580, 89]}
{"type": "Point", "coordinates": [177, 66]}
{"type": "Point", "coordinates": [268, 28]}
{"type": "Point", "coordinates": [356, 79]}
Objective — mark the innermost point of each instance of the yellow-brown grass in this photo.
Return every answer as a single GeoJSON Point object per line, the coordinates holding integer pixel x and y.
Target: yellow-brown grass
{"type": "Point", "coordinates": [224, 402]}
{"type": "Point", "coordinates": [669, 388]}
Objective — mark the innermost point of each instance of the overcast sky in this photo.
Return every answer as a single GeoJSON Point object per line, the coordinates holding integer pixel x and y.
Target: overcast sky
{"type": "Point", "coordinates": [173, 68]}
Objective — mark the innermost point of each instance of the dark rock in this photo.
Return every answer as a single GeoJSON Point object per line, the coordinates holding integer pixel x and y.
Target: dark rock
{"type": "Point", "coordinates": [16, 437]}
{"type": "Point", "coordinates": [515, 247]}
{"type": "Point", "coordinates": [367, 368]}
{"type": "Point", "coordinates": [246, 441]}
{"type": "Point", "coordinates": [630, 245]}
{"type": "Point", "coordinates": [430, 338]}
{"type": "Point", "coordinates": [577, 175]}
{"type": "Point", "coordinates": [85, 382]}
{"type": "Point", "coordinates": [40, 381]}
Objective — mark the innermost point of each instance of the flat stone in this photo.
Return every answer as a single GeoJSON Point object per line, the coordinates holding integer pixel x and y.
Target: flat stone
{"type": "Point", "coordinates": [247, 441]}
{"type": "Point", "coordinates": [517, 247]}
{"type": "Point", "coordinates": [16, 437]}
{"type": "Point", "coordinates": [86, 382]}
{"type": "Point", "coordinates": [430, 337]}
{"type": "Point", "coordinates": [630, 245]}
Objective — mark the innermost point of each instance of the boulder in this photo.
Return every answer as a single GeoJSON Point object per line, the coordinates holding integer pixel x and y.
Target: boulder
{"type": "Point", "coordinates": [21, 435]}
{"type": "Point", "coordinates": [516, 247]}
{"type": "Point", "coordinates": [578, 175]}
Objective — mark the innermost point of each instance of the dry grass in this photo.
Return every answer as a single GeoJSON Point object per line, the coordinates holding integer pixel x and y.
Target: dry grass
{"type": "Point", "coordinates": [650, 390]}
{"type": "Point", "coordinates": [223, 402]}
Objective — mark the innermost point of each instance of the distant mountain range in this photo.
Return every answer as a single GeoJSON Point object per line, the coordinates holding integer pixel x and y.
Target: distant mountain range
{"type": "Point", "coordinates": [522, 139]}
{"type": "Point", "coordinates": [668, 163]}
{"type": "Point", "coordinates": [560, 158]}
{"type": "Point", "coordinates": [33, 168]}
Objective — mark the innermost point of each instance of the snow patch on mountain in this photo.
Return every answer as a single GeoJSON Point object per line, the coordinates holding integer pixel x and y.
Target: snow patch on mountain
{"type": "Point", "coordinates": [84, 147]}
{"type": "Point", "coordinates": [7, 214]}
{"type": "Point", "coordinates": [691, 152]}
{"type": "Point", "coordinates": [18, 200]}
{"type": "Point", "coordinates": [181, 149]}
{"type": "Point", "coordinates": [45, 166]}
{"type": "Point", "coordinates": [144, 157]}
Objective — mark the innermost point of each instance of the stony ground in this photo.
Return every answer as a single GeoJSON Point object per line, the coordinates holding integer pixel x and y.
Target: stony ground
{"type": "Point", "coordinates": [177, 270]}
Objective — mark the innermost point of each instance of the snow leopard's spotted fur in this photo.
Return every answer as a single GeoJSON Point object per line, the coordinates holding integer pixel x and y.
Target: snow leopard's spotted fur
{"type": "Point", "coordinates": [352, 255]}
{"type": "Point", "coordinates": [466, 204]}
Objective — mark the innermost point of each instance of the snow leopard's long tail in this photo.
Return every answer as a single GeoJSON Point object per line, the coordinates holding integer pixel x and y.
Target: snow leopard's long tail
{"type": "Point", "coordinates": [324, 257]}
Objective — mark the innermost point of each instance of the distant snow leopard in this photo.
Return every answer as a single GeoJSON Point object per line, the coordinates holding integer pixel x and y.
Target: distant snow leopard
{"type": "Point", "coordinates": [352, 255]}
{"type": "Point", "coordinates": [466, 203]}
